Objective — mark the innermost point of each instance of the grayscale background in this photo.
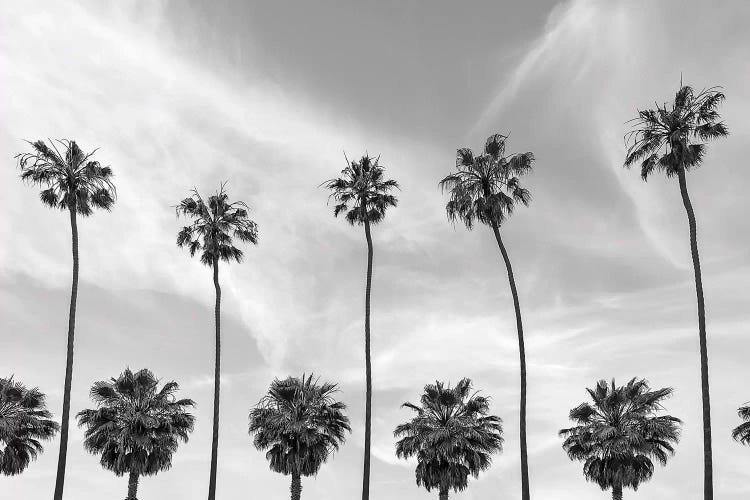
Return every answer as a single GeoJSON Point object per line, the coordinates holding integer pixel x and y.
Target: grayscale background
{"type": "Point", "coordinates": [266, 95]}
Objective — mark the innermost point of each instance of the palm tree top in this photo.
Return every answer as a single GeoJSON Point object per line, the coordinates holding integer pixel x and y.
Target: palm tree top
{"type": "Point", "coordinates": [214, 225]}
{"type": "Point", "coordinates": [70, 178]}
{"type": "Point", "coordinates": [300, 423]}
{"type": "Point", "coordinates": [742, 432]}
{"type": "Point", "coordinates": [362, 192]}
{"type": "Point", "coordinates": [619, 435]}
{"type": "Point", "coordinates": [486, 187]}
{"type": "Point", "coordinates": [452, 435]}
{"type": "Point", "coordinates": [136, 426]}
{"type": "Point", "coordinates": [672, 136]}
{"type": "Point", "coordinates": [24, 423]}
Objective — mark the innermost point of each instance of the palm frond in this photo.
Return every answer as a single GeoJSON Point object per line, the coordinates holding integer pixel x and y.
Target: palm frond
{"type": "Point", "coordinates": [70, 179]}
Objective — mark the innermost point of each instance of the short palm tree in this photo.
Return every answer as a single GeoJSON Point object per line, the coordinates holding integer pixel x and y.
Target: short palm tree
{"type": "Point", "coordinates": [620, 435]}
{"type": "Point", "coordinates": [136, 427]}
{"type": "Point", "coordinates": [363, 194]}
{"type": "Point", "coordinates": [24, 424]}
{"type": "Point", "coordinates": [452, 436]}
{"type": "Point", "coordinates": [741, 433]}
{"type": "Point", "coordinates": [214, 225]}
{"type": "Point", "coordinates": [73, 181]}
{"type": "Point", "coordinates": [299, 424]}
{"type": "Point", "coordinates": [486, 188]}
{"type": "Point", "coordinates": [672, 139]}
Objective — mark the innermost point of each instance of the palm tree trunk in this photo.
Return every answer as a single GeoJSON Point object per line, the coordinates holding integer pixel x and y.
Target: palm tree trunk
{"type": "Point", "coordinates": [617, 492]}
{"type": "Point", "coordinates": [443, 493]}
{"type": "Point", "coordinates": [63, 455]}
{"type": "Point", "coordinates": [296, 488]}
{"type": "Point", "coordinates": [525, 495]}
{"type": "Point", "coordinates": [217, 380]}
{"type": "Point", "coordinates": [708, 490]}
{"type": "Point", "coordinates": [368, 369]}
{"type": "Point", "coordinates": [132, 486]}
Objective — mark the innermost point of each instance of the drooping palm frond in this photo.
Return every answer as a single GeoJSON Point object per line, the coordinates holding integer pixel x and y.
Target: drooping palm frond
{"type": "Point", "coordinates": [136, 427]}
{"type": "Point", "coordinates": [452, 436]}
{"type": "Point", "coordinates": [70, 178]}
{"type": "Point", "coordinates": [673, 136]}
{"type": "Point", "coordinates": [486, 187]}
{"type": "Point", "coordinates": [24, 424]}
{"type": "Point", "coordinates": [299, 424]}
{"type": "Point", "coordinates": [741, 433]}
{"type": "Point", "coordinates": [620, 435]}
{"type": "Point", "coordinates": [214, 225]}
{"type": "Point", "coordinates": [362, 192]}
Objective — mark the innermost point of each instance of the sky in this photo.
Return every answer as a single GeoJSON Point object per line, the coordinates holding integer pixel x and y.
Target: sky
{"type": "Point", "coordinates": [267, 96]}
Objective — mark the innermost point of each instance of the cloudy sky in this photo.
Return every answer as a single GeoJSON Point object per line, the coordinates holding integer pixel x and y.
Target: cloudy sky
{"type": "Point", "coordinates": [267, 95]}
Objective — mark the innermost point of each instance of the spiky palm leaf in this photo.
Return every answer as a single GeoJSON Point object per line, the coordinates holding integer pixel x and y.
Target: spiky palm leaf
{"type": "Point", "coordinates": [486, 187]}
{"type": "Point", "coordinates": [136, 427]}
{"type": "Point", "coordinates": [71, 178]}
{"type": "Point", "coordinates": [742, 432]}
{"type": "Point", "coordinates": [362, 192]}
{"type": "Point", "coordinates": [620, 435]}
{"type": "Point", "coordinates": [214, 225]}
{"type": "Point", "coordinates": [299, 424]}
{"type": "Point", "coordinates": [24, 424]}
{"type": "Point", "coordinates": [452, 436]}
{"type": "Point", "coordinates": [672, 136]}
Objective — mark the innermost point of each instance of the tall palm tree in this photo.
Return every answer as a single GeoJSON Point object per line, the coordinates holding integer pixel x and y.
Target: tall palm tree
{"type": "Point", "coordinates": [620, 435]}
{"type": "Point", "coordinates": [75, 182]}
{"type": "Point", "coordinates": [452, 435]}
{"type": "Point", "coordinates": [299, 424]}
{"type": "Point", "coordinates": [136, 427]}
{"type": "Point", "coordinates": [363, 194]}
{"type": "Point", "coordinates": [24, 423]}
{"type": "Point", "coordinates": [213, 226]}
{"type": "Point", "coordinates": [742, 432]}
{"type": "Point", "coordinates": [486, 188]}
{"type": "Point", "coordinates": [672, 139]}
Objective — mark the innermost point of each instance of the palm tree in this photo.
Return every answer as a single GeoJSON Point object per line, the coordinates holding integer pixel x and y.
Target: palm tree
{"type": "Point", "coordinates": [672, 139]}
{"type": "Point", "coordinates": [24, 423]}
{"type": "Point", "coordinates": [486, 188]}
{"type": "Point", "coordinates": [452, 437]}
{"type": "Point", "coordinates": [72, 181]}
{"type": "Point", "coordinates": [299, 424]}
{"type": "Point", "coordinates": [363, 194]}
{"type": "Point", "coordinates": [213, 226]}
{"type": "Point", "coordinates": [136, 427]}
{"type": "Point", "coordinates": [742, 432]}
{"type": "Point", "coordinates": [618, 437]}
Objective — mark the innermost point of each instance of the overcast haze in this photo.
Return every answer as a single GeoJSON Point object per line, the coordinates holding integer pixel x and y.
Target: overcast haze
{"type": "Point", "coordinates": [266, 96]}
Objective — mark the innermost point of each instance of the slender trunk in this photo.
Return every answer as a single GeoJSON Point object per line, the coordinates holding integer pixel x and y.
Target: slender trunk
{"type": "Point", "coordinates": [525, 495]}
{"type": "Point", "coordinates": [708, 490]}
{"type": "Point", "coordinates": [296, 488]}
{"type": "Point", "coordinates": [132, 486]}
{"type": "Point", "coordinates": [217, 380]}
{"type": "Point", "coordinates": [368, 369]}
{"type": "Point", "coordinates": [63, 455]}
{"type": "Point", "coordinates": [617, 492]}
{"type": "Point", "coordinates": [443, 493]}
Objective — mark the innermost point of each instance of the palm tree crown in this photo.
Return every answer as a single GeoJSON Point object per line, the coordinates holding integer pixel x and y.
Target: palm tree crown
{"type": "Point", "coordinates": [214, 225]}
{"type": "Point", "coordinates": [361, 192]}
{"type": "Point", "coordinates": [24, 423]}
{"type": "Point", "coordinates": [136, 426]}
{"type": "Point", "coordinates": [671, 137]}
{"type": "Point", "coordinates": [452, 436]}
{"type": "Point", "coordinates": [742, 432]}
{"type": "Point", "coordinates": [299, 423]}
{"type": "Point", "coordinates": [486, 187]}
{"type": "Point", "coordinates": [619, 435]}
{"type": "Point", "coordinates": [72, 180]}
